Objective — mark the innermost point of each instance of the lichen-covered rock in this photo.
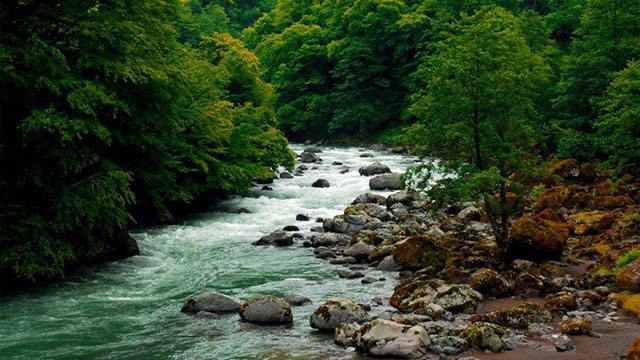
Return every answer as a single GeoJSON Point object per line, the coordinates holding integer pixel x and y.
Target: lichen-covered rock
{"type": "Point", "coordinates": [532, 237]}
{"type": "Point", "coordinates": [485, 336]}
{"type": "Point", "coordinates": [266, 310]}
{"type": "Point", "coordinates": [389, 181]}
{"type": "Point", "coordinates": [335, 312]}
{"type": "Point", "coordinates": [554, 198]}
{"type": "Point", "coordinates": [489, 282]}
{"type": "Point", "coordinates": [576, 327]}
{"type": "Point", "coordinates": [374, 169]}
{"type": "Point", "coordinates": [448, 345]}
{"type": "Point", "coordinates": [562, 301]}
{"type": "Point", "coordinates": [417, 252]}
{"type": "Point", "coordinates": [369, 198]}
{"type": "Point", "coordinates": [416, 296]}
{"type": "Point", "coordinates": [628, 277]}
{"type": "Point", "coordinates": [390, 339]}
{"type": "Point", "coordinates": [519, 317]}
{"type": "Point", "coordinates": [212, 302]}
{"type": "Point", "coordinates": [346, 333]}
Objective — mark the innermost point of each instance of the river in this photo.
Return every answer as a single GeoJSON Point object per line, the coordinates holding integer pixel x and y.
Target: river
{"type": "Point", "coordinates": [131, 309]}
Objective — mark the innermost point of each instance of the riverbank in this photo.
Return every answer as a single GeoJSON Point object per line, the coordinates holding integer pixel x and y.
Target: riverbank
{"type": "Point", "coordinates": [564, 289]}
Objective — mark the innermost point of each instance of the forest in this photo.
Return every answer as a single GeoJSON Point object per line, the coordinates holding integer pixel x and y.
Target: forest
{"type": "Point", "coordinates": [119, 114]}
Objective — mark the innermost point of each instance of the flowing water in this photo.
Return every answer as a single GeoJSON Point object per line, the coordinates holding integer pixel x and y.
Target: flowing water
{"type": "Point", "coordinates": [131, 309]}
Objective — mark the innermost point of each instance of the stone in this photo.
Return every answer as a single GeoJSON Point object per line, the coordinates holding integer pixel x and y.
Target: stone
{"type": "Point", "coordinates": [489, 283]}
{"type": "Point", "coordinates": [561, 342]}
{"type": "Point", "coordinates": [374, 169]}
{"type": "Point", "coordinates": [302, 217]}
{"type": "Point", "coordinates": [267, 188]}
{"type": "Point", "coordinates": [562, 301]}
{"type": "Point", "coordinates": [307, 157]}
{"type": "Point", "coordinates": [346, 333]}
{"type": "Point", "coordinates": [346, 274]}
{"type": "Point", "coordinates": [485, 336]}
{"type": "Point", "coordinates": [286, 175]}
{"type": "Point", "coordinates": [417, 252]}
{"type": "Point", "coordinates": [320, 183]}
{"type": "Point", "coordinates": [470, 213]}
{"type": "Point", "coordinates": [410, 319]}
{"type": "Point", "coordinates": [277, 238]}
{"type": "Point", "coordinates": [519, 317]}
{"type": "Point", "coordinates": [360, 251]}
{"type": "Point", "coordinates": [312, 149]}
{"type": "Point", "coordinates": [567, 168]}
{"type": "Point", "coordinates": [448, 345]}
{"type": "Point", "coordinates": [416, 295]}
{"type": "Point", "coordinates": [387, 264]}
{"type": "Point", "coordinates": [330, 239]}
{"type": "Point", "coordinates": [335, 312]}
{"type": "Point", "coordinates": [266, 310]}
{"type": "Point", "coordinates": [242, 211]}
{"type": "Point", "coordinates": [366, 155]}
{"type": "Point", "coordinates": [576, 327]}
{"type": "Point", "coordinates": [291, 228]}
{"type": "Point", "coordinates": [535, 238]}
{"type": "Point", "coordinates": [368, 280]}
{"type": "Point", "coordinates": [386, 338]}
{"type": "Point", "coordinates": [297, 300]}
{"type": "Point", "coordinates": [389, 181]}
{"type": "Point", "coordinates": [212, 302]}
{"type": "Point", "coordinates": [369, 198]}
{"type": "Point", "coordinates": [404, 197]}
{"type": "Point", "coordinates": [343, 169]}
{"type": "Point", "coordinates": [628, 277]}
{"type": "Point", "coordinates": [634, 351]}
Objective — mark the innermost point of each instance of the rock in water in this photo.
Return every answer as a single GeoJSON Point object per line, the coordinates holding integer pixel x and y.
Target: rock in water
{"type": "Point", "coordinates": [307, 157]}
{"type": "Point", "coordinates": [391, 339]}
{"type": "Point", "coordinates": [213, 302]}
{"type": "Point", "coordinates": [302, 217]}
{"type": "Point", "coordinates": [335, 312]}
{"type": "Point", "coordinates": [277, 238]}
{"type": "Point", "coordinates": [374, 169]}
{"type": "Point", "coordinates": [312, 149]}
{"type": "Point", "coordinates": [389, 181]}
{"type": "Point", "coordinates": [266, 310]}
{"type": "Point", "coordinates": [320, 183]}
{"type": "Point", "coordinates": [297, 300]}
{"type": "Point", "coordinates": [286, 175]}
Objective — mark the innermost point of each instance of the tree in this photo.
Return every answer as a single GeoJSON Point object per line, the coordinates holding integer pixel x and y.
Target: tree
{"type": "Point", "coordinates": [619, 126]}
{"type": "Point", "coordinates": [476, 112]}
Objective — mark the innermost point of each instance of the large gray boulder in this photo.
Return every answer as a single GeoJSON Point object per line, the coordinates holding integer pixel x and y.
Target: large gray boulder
{"type": "Point", "coordinates": [374, 169]}
{"type": "Point", "coordinates": [277, 238]}
{"type": "Point", "coordinates": [369, 198]}
{"type": "Point", "coordinates": [308, 157]}
{"type": "Point", "coordinates": [387, 264]}
{"type": "Point", "coordinates": [320, 183]}
{"type": "Point", "coordinates": [390, 181]}
{"type": "Point", "coordinates": [335, 312]}
{"type": "Point", "coordinates": [360, 251]}
{"type": "Point", "coordinates": [266, 310]}
{"type": "Point", "coordinates": [213, 302]}
{"type": "Point", "coordinates": [391, 339]}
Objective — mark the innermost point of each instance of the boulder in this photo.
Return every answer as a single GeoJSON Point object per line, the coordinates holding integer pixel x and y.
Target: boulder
{"type": "Point", "coordinates": [286, 175]}
{"type": "Point", "coordinates": [277, 238]}
{"type": "Point", "coordinates": [562, 302]}
{"type": "Point", "coordinates": [484, 336]}
{"type": "Point", "coordinates": [416, 295]}
{"type": "Point", "coordinates": [366, 155]}
{"type": "Point", "coordinates": [302, 217]}
{"type": "Point", "coordinates": [628, 277]}
{"type": "Point", "coordinates": [307, 157]}
{"type": "Point", "coordinates": [404, 197]}
{"type": "Point", "coordinates": [535, 238]}
{"type": "Point", "coordinates": [346, 333]}
{"type": "Point", "coordinates": [448, 345]}
{"type": "Point", "coordinates": [360, 251]}
{"type": "Point", "coordinates": [343, 169]}
{"type": "Point", "coordinates": [390, 181]}
{"type": "Point", "coordinates": [390, 339]}
{"type": "Point", "coordinates": [387, 264]}
{"type": "Point", "coordinates": [417, 252]}
{"type": "Point", "coordinates": [320, 183]}
{"type": "Point", "coordinates": [470, 213]}
{"type": "Point", "coordinates": [369, 198]}
{"type": "Point", "coordinates": [212, 302]}
{"type": "Point", "coordinates": [330, 239]}
{"type": "Point", "coordinates": [266, 188]}
{"type": "Point", "coordinates": [242, 211]}
{"type": "Point", "coordinates": [266, 310]}
{"type": "Point", "coordinates": [374, 169]}
{"type": "Point", "coordinates": [312, 149]}
{"type": "Point", "coordinates": [489, 282]}
{"type": "Point", "coordinates": [335, 312]}
{"type": "Point", "coordinates": [519, 317]}
{"type": "Point", "coordinates": [291, 228]}
{"type": "Point", "coordinates": [576, 327]}
{"type": "Point", "coordinates": [297, 300]}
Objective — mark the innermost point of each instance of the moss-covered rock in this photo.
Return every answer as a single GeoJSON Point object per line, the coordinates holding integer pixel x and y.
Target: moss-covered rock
{"type": "Point", "coordinates": [519, 317]}
{"type": "Point", "coordinates": [533, 237]}
{"type": "Point", "coordinates": [576, 327]}
{"type": "Point", "coordinates": [628, 277]}
{"type": "Point", "coordinates": [489, 282]}
{"type": "Point", "coordinates": [485, 336]}
{"type": "Point", "coordinates": [417, 252]}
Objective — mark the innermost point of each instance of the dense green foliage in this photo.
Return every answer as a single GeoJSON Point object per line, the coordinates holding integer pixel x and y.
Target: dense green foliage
{"type": "Point", "coordinates": [106, 115]}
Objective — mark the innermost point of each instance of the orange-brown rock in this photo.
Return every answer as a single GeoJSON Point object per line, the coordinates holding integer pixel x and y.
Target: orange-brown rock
{"type": "Point", "coordinates": [554, 197]}
{"type": "Point", "coordinates": [608, 188]}
{"type": "Point", "coordinates": [576, 327]}
{"type": "Point", "coordinates": [533, 237]}
{"type": "Point", "coordinates": [591, 222]}
{"type": "Point", "coordinates": [417, 252]}
{"type": "Point", "coordinates": [489, 282]}
{"type": "Point", "coordinates": [610, 202]}
{"type": "Point", "coordinates": [561, 302]}
{"type": "Point", "coordinates": [550, 215]}
{"type": "Point", "coordinates": [634, 351]}
{"type": "Point", "coordinates": [628, 278]}
{"type": "Point", "coordinates": [567, 168]}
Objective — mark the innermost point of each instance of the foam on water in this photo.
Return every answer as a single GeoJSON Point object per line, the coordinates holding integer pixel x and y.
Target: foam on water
{"type": "Point", "coordinates": [130, 309]}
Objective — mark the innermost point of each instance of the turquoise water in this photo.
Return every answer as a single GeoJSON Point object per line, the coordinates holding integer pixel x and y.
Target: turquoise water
{"type": "Point", "coordinates": [131, 309]}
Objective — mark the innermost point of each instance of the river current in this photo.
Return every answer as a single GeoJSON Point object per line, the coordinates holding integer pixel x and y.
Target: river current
{"type": "Point", "coordinates": [131, 309]}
